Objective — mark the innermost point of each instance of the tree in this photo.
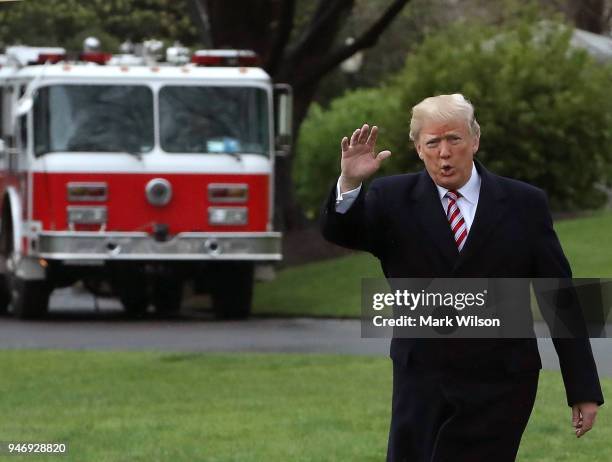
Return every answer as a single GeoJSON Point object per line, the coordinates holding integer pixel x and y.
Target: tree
{"type": "Point", "coordinates": [300, 56]}
{"type": "Point", "coordinates": [67, 22]}
{"type": "Point", "coordinates": [591, 15]}
{"type": "Point", "coordinates": [542, 105]}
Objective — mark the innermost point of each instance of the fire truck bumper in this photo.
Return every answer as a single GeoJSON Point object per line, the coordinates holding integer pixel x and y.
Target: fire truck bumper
{"type": "Point", "coordinates": [265, 246]}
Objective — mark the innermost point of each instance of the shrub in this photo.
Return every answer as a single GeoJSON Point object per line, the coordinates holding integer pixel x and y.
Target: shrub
{"type": "Point", "coordinates": [318, 165]}
{"type": "Point", "coordinates": [544, 108]}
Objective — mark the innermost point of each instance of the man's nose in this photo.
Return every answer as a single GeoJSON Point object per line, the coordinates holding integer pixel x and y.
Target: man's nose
{"type": "Point", "coordinates": [444, 150]}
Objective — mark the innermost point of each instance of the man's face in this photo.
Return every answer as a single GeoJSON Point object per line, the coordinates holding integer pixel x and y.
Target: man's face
{"type": "Point", "coordinates": [447, 149]}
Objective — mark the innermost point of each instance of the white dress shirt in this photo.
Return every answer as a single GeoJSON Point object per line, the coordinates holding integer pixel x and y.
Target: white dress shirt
{"type": "Point", "coordinates": [467, 203]}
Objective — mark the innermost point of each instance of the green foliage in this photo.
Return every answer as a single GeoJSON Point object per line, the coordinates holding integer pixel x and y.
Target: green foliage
{"type": "Point", "coordinates": [543, 106]}
{"type": "Point", "coordinates": [67, 22]}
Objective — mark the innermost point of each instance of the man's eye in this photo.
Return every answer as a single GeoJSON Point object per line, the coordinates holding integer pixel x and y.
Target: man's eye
{"type": "Point", "coordinates": [432, 144]}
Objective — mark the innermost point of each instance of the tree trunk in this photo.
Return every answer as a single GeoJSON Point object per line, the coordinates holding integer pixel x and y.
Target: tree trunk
{"type": "Point", "coordinates": [304, 56]}
{"type": "Point", "coordinates": [589, 15]}
{"type": "Point", "coordinates": [265, 27]}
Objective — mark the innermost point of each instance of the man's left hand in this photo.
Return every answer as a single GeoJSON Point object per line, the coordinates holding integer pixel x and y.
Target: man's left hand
{"type": "Point", "coordinates": [583, 417]}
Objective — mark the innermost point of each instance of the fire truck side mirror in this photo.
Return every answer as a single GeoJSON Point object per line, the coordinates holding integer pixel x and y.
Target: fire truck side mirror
{"type": "Point", "coordinates": [283, 118]}
{"type": "Point", "coordinates": [2, 147]}
{"type": "Point", "coordinates": [24, 105]}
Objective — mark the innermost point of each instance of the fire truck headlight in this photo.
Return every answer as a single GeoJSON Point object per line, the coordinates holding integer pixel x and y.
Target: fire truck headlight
{"type": "Point", "coordinates": [159, 192]}
{"type": "Point", "coordinates": [87, 215]}
{"type": "Point", "coordinates": [228, 216]}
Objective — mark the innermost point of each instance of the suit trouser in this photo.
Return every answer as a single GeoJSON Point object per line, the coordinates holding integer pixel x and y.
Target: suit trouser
{"type": "Point", "coordinates": [443, 416]}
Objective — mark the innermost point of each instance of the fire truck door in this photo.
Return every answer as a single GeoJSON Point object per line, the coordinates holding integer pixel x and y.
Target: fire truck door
{"type": "Point", "coordinates": [17, 157]}
{"type": "Point", "coordinates": [5, 115]}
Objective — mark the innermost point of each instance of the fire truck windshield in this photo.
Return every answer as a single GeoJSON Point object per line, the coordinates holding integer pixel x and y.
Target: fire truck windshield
{"type": "Point", "coordinates": [93, 118]}
{"type": "Point", "coordinates": [210, 119]}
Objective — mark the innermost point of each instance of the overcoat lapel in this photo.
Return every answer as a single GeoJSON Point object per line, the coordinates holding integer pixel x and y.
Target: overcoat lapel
{"type": "Point", "coordinates": [492, 207]}
{"type": "Point", "coordinates": [431, 217]}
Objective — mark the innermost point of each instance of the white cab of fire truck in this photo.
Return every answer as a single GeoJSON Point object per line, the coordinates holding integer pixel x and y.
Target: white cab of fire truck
{"type": "Point", "coordinates": [134, 176]}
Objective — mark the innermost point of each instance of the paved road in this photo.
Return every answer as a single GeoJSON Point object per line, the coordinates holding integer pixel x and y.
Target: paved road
{"type": "Point", "coordinates": [76, 324]}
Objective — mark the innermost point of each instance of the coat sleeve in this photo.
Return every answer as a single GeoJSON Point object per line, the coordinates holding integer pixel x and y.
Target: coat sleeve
{"type": "Point", "coordinates": [360, 227]}
{"type": "Point", "coordinates": [578, 367]}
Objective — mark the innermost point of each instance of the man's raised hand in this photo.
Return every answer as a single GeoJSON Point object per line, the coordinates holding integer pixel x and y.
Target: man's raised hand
{"type": "Point", "coordinates": [359, 158]}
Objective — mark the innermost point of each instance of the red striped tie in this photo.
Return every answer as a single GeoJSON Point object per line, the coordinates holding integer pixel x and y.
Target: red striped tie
{"type": "Point", "coordinates": [457, 223]}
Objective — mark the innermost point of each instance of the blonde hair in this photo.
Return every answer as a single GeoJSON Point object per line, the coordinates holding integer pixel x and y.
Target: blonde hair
{"type": "Point", "coordinates": [443, 108]}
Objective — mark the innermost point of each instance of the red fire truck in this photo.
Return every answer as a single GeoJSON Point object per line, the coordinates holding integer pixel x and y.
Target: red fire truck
{"type": "Point", "coordinates": [119, 171]}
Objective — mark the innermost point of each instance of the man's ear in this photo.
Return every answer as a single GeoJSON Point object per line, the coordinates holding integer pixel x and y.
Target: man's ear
{"type": "Point", "coordinates": [476, 144]}
{"type": "Point", "coordinates": [417, 148]}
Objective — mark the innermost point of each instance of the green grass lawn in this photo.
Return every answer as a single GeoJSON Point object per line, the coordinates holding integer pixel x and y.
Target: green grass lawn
{"type": "Point", "coordinates": [229, 407]}
{"type": "Point", "coordinates": [588, 244]}
{"type": "Point", "coordinates": [333, 287]}
{"type": "Point", "coordinates": [327, 288]}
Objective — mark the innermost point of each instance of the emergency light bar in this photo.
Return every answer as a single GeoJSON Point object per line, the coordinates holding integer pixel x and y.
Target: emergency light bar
{"type": "Point", "coordinates": [225, 58]}
{"type": "Point", "coordinates": [25, 55]}
{"type": "Point", "coordinates": [97, 57]}
{"type": "Point", "coordinates": [177, 55]}
{"type": "Point", "coordinates": [51, 58]}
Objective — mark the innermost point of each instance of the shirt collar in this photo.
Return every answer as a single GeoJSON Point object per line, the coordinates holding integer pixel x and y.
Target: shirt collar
{"type": "Point", "coordinates": [468, 191]}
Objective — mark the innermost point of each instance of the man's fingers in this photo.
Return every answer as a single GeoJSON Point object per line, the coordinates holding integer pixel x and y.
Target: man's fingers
{"type": "Point", "coordinates": [354, 137]}
{"type": "Point", "coordinates": [575, 415]}
{"type": "Point", "coordinates": [373, 135]}
{"type": "Point", "coordinates": [588, 420]}
{"type": "Point", "coordinates": [345, 144]}
{"type": "Point", "coordinates": [577, 421]}
{"type": "Point", "coordinates": [382, 155]}
{"type": "Point", "coordinates": [581, 431]}
{"type": "Point", "coordinates": [363, 135]}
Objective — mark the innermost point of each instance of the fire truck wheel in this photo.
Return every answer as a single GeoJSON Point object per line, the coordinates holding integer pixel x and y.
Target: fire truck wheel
{"type": "Point", "coordinates": [232, 293]}
{"type": "Point", "coordinates": [168, 296]}
{"type": "Point", "coordinates": [30, 298]}
{"type": "Point", "coordinates": [5, 294]}
{"type": "Point", "coordinates": [130, 285]}
{"type": "Point", "coordinates": [135, 303]}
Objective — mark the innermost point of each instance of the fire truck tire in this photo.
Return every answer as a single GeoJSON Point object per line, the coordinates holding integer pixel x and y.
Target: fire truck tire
{"type": "Point", "coordinates": [130, 285]}
{"type": "Point", "coordinates": [232, 293]}
{"type": "Point", "coordinates": [168, 296]}
{"type": "Point", "coordinates": [30, 298]}
{"type": "Point", "coordinates": [135, 302]}
{"type": "Point", "coordinates": [5, 294]}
